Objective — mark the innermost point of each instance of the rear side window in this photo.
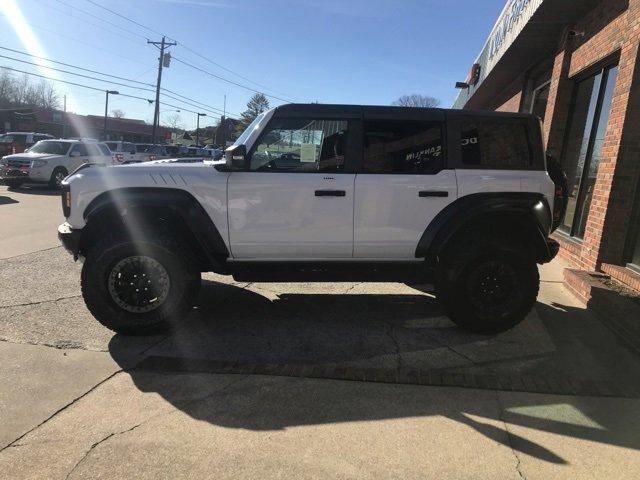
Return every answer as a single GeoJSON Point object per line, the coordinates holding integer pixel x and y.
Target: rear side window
{"type": "Point", "coordinates": [81, 148]}
{"type": "Point", "coordinates": [495, 145]}
{"type": "Point", "coordinates": [411, 147]}
{"type": "Point", "coordinates": [104, 149]}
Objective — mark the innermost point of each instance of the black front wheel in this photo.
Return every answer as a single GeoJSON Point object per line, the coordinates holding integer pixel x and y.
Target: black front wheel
{"type": "Point", "coordinates": [139, 287]}
{"type": "Point", "coordinates": [57, 176]}
{"type": "Point", "coordinates": [486, 288]}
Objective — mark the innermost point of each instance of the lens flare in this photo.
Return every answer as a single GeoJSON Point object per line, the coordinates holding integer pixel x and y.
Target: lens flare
{"type": "Point", "coordinates": [33, 46]}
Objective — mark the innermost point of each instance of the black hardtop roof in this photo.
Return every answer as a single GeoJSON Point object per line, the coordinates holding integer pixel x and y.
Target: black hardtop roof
{"type": "Point", "coordinates": [389, 112]}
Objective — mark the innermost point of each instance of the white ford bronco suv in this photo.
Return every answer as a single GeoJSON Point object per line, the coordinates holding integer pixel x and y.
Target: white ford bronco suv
{"type": "Point", "coordinates": [461, 200]}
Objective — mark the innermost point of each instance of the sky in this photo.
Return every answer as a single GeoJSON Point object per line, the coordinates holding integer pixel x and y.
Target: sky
{"type": "Point", "coordinates": [329, 51]}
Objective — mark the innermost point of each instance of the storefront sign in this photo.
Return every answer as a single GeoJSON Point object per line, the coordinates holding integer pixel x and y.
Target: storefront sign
{"type": "Point", "coordinates": [510, 18]}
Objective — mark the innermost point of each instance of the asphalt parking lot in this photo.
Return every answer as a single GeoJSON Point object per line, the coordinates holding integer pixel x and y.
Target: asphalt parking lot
{"type": "Point", "coordinates": [352, 380]}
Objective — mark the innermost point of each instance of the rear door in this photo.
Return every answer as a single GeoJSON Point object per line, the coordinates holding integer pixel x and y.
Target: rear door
{"type": "Point", "coordinates": [403, 184]}
{"type": "Point", "coordinates": [295, 201]}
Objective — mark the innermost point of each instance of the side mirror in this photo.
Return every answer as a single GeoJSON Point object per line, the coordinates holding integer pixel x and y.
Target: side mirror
{"type": "Point", "coordinates": [236, 157]}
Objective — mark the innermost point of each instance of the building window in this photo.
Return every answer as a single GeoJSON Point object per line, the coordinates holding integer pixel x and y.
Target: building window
{"type": "Point", "coordinates": [583, 145]}
{"type": "Point", "coordinates": [495, 145]}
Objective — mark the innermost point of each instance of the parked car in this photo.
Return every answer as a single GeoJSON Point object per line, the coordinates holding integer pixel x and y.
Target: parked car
{"type": "Point", "coordinates": [18, 142]}
{"type": "Point", "coordinates": [50, 161]}
{"type": "Point", "coordinates": [150, 152]}
{"type": "Point", "coordinates": [459, 199]}
{"type": "Point", "coordinates": [123, 152]}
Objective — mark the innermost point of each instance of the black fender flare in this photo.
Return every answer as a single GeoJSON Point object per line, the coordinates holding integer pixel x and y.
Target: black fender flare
{"type": "Point", "coordinates": [527, 211]}
{"type": "Point", "coordinates": [179, 202]}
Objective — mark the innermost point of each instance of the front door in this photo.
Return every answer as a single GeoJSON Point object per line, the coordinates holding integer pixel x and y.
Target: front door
{"type": "Point", "coordinates": [295, 201]}
{"type": "Point", "coordinates": [402, 187]}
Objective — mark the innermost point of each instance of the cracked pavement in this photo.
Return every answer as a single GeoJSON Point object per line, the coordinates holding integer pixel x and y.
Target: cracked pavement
{"type": "Point", "coordinates": [75, 404]}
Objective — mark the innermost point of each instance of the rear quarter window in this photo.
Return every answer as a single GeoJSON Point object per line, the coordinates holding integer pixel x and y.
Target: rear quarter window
{"type": "Point", "coordinates": [495, 145]}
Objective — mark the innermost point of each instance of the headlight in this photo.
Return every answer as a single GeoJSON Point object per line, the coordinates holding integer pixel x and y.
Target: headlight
{"type": "Point", "coordinates": [38, 163]}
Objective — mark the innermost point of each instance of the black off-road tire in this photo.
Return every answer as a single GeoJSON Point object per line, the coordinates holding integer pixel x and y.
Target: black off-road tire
{"type": "Point", "coordinates": [486, 285]}
{"type": "Point", "coordinates": [58, 174]}
{"type": "Point", "coordinates": [105, 255]}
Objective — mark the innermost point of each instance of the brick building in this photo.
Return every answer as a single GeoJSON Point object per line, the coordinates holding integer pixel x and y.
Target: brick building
{"type": "Point", "coordinates": [576, 64]}
{"type": "Point", "coordinates": [61, 124]}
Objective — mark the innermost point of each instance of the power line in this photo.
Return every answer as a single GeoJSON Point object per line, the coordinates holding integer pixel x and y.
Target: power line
{"type": "Point", "coordinates": [71, 83]}
{"type": "Point", "coordinates": [227, 69]}
{"type": "Point", "coordinates": [76, 9]}
{"type": "Point", "coordinates": [76, 67]}
{"type": "Point", "coordinates": [202, 105]}
{"type": "Point", "coordinates": [228, 81]}
{"type": "Point", "coordinates": [124, 17]}
{"type": "Point", "coordinates": [105, 81]}
{"type": "Point", "coordinates": [77, 74]}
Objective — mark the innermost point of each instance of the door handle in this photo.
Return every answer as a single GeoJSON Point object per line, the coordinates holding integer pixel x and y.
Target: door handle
{"type": "Point", "coordinates": [433, 193]}
{"type": "Point", "coordinates": [330, 193]}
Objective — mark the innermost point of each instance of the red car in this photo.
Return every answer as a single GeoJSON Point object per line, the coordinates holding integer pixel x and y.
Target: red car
{"type": "Point", "coordinates": [18, 142]}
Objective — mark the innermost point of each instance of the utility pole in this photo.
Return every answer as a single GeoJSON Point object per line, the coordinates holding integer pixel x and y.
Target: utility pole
{"type": "Point", "coordinates": [156, 114]}
{"type": "Point", "coordinates": [106, 108]}
{"type": "Point", "coordinates": [64, 118]}
{"type": "Point", "coordinates": [198, 127]}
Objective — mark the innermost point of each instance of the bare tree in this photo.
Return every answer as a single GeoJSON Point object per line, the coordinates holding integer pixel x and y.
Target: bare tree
{"type": "Point", "coordinates": [416, 100]}
{"type": "Point", "coordinates": [117, 113]}
{"type": "Point", "coordinates": [50, 96]}
{"type": "Point", "coordinates": [174, 121]}
{"type": "Point", "coordinates": [21, 92]}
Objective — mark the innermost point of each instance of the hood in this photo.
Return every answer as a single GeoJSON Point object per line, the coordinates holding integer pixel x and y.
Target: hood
{"type": "Point", "coordinates": [28, 156]}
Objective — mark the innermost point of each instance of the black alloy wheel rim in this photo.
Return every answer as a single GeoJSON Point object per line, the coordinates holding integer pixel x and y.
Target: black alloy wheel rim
{"type": "Point", "coordinates": [493, 288]}
{"type": "Point", "coordinates": [59, 177]}
{"type": "Point", "coordinates": [139, 284]}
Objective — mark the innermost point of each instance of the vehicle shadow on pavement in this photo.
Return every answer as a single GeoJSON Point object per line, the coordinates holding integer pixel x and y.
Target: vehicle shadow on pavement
{"type": "Point", "coordinates": [35, 190]}
{"type": "Point", "coordinates": [237, 326]}
{"type": "Point", "coordinates": [7, 200]}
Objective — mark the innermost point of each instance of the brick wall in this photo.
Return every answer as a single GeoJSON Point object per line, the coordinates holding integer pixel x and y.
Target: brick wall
{"type": "Point", "coordinates": [511, 105]}
{"type": "Point", "coordinates": [618, 172]}
{"type": "Point", "coordinates": [611, 29]}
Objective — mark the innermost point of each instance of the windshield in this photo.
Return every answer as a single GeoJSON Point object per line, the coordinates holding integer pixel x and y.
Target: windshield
{"type": "Point", "coordinates": [13, 138]}
{"type": "Point", "coordinates": [243, 138]}
{"type": "Point", "coordinates": [52, 147]}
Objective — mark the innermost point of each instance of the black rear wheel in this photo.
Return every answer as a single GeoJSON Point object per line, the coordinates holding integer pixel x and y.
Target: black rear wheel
{"type": "Point", "coordinates": [139, 287]}
{"type": "Point", "coordinates": [487, 287]}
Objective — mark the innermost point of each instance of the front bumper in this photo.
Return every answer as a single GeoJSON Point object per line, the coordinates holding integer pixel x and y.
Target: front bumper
{"type": "Point", "coordinates": [12, 173]}
{"type": "Point", "coordinates": [70, 239]}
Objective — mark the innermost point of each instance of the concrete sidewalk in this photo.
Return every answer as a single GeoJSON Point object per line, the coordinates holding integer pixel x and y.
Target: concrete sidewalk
{"type": "Point", "coordinates": [216, 426]}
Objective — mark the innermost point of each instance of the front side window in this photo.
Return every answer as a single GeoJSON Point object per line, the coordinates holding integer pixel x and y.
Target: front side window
{"type": "Point", "coordinates": [495, 145]}
{"type": "Point", "coordinates": [301, 145]}
{"type": "Point", "coordinates": [410, 147]}
{"type": "Point", "coordinates": [113, 146]}
{"type": "Point", "coordinates": [50, 146]}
